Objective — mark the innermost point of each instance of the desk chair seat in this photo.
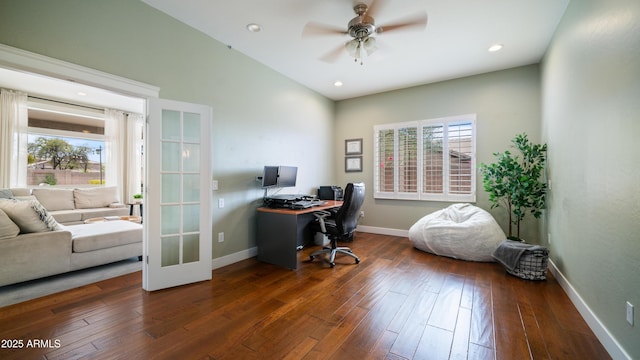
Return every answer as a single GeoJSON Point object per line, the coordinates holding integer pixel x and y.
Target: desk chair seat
{"type": "Point", "coordinates": [340, 225]}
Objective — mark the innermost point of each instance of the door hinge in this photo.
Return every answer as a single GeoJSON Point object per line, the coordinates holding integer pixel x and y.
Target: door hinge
{"type": "Point", "coordinates": [147, 259]}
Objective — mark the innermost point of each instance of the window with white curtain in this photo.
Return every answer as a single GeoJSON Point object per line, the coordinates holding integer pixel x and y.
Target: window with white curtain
{"type": "Point", "coordinates": [426, 160]}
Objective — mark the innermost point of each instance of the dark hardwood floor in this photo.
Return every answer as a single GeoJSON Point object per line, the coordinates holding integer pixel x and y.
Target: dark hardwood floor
{"type": "Point", "coordinates": [398, 303]}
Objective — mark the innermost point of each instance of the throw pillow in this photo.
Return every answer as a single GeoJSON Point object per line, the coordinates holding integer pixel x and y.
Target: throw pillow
{"type": "Point", "coordinates": [54, 199]}
{"type": "Point", "coordinates": [30, 215]}
{"type": "Point", "coordinates": [8, 229]}
{"type": "Point", "coordinates": [6, 194]}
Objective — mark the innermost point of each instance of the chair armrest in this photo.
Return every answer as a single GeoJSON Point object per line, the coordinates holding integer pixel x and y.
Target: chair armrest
{"type": "Point", "coordinates": [320, 216]}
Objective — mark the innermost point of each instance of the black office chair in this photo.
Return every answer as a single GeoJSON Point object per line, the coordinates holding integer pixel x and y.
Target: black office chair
{"type": "Point", "coordinates": [342, 224]}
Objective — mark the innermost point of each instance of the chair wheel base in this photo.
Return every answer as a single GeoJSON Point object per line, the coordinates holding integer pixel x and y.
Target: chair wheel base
{"type": "Point", "coordinates": [329, 254]}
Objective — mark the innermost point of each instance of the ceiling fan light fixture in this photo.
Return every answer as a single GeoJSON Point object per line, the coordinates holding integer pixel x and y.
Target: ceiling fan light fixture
{"type": "Point", "coordinates": [352, 47]}
{"type": "Point", "coordinates": [370, 45]}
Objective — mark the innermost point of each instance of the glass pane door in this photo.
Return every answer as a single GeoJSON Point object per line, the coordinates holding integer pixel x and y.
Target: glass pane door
{"type": "Point", "coordinates": [179, 193]}
{"type": "Point", "coordinates": [180, 210]}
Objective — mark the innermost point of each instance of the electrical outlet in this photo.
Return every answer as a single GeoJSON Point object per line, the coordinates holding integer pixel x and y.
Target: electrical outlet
{"type": "Point", "coordinates": [630, 313]}
{"type": "Point", "coordinates": [220, 203]}
{"type": "Point", "coordinates": [361, 214]}
{"type": "Point", "coordinates": [220, 237]}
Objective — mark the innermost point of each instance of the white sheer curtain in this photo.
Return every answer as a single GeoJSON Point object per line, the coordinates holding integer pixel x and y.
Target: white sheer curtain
{"type": "Point", "coordinates": [114, 140]}
{"type": "Point", "coordinates": [135, 125]}
{"type": "Point", "coordinates": [14, 123]}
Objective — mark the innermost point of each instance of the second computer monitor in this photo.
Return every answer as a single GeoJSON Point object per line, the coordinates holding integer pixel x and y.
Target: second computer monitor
{"type": "Point", "coordinates": [287, 176]}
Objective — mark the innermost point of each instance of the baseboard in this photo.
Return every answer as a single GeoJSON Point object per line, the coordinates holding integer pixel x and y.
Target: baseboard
{"type": "Point", "coordinates": [601, 332]}
{"type": "Point", "coordinates": [383, 231]}
{"type": "Point", "coordinates": [234, 258]}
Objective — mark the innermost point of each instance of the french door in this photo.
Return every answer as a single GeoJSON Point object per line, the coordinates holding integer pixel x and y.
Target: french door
{"type": "Point", "coordinates": [178, 195]}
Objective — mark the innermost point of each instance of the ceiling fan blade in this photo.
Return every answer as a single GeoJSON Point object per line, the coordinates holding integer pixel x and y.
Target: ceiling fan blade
{"type": "Point", "coordinates": [333, 55]}
{"type": "Point", "coordinates": [416, 21]}
{"type": "Point", "coordinates": [317, 29]}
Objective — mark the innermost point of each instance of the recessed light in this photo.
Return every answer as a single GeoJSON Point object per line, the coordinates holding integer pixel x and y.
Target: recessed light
{"type": "Point", "coordinates": [495, 47]}
{"type": "Point", "coordinates": [337, 83]}
{"type": "Point", "coordinates": [80, 93]}
{"type": "Point", "coordinates": [253, 27]}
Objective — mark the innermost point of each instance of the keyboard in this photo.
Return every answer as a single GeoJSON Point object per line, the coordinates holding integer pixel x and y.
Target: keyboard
{"type": "Point", "coordinates": [305, 204]}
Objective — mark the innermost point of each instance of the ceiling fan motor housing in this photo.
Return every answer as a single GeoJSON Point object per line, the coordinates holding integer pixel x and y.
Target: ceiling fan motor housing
{"type": "Point", "coordinates": [362, 25]}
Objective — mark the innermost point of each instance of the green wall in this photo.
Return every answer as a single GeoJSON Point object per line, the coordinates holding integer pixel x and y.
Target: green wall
{"type": "Point", "coordinates": [260, 117]}
{"type": "Point", "coordinates": [591, 120]}
{"type": "Point", "coordinates": [506, 103]}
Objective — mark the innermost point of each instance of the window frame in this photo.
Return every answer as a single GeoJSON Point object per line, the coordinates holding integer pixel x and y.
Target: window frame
{"type": "Point", "coordinates": [419, 194]}
{"type": "Point", "coordinates": [76, 111]}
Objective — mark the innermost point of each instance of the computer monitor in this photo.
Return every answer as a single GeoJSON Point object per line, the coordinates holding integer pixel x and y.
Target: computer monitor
{"type": "Point", "coordinates": [270, 177]}
{"type": "Point", "coordinates": [287, 176]}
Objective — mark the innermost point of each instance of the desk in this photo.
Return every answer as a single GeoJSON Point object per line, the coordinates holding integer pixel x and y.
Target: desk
{"type": "Point", "coordinates": [281, 232]}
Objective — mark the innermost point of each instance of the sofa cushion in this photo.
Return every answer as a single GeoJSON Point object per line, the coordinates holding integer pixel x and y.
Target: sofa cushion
{"type": "Point", "coordinates": [29, 215]}
{"type": "Point", "coordinates": [67, 216]}
{"type": "Point", "coordinates": [102, 212]}
{"type": "Point", "coordinates": [102, 235]}
{"type": "Point", "coordinates": [55, 199]}
{"type": "Point", "coordinates": [8, 229]}
{"type": "Point", "coordinates": [20, 191]}
{"type": "Point", "coordinates": [90, 198]}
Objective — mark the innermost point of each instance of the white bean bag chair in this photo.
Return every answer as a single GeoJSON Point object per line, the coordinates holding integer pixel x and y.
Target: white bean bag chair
{"type": "Point", "coordinates": [461, 231]}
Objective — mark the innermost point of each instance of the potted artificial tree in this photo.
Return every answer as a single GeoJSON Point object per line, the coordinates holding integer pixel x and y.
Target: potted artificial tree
{"type": "Point", "coordinates": [515, 181]}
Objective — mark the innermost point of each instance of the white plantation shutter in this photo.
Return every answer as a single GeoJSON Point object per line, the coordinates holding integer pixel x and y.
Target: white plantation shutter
{"type": "Point", "coordinates": [426, 160]}
{"type": "Point", "coordinates": [432, 159]}
{"type": "Point", "coordinates": [407, 162]}
{"type": "Point", "coordinates": [460, 137]}
{"type": "Point", "coordinates": [384, 179]}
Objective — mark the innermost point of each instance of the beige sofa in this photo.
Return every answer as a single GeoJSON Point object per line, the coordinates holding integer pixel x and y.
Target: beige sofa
{"type": "Point", "coordinates": [34, 245]}
{"type": "Point", "coordinates": [74, 206]}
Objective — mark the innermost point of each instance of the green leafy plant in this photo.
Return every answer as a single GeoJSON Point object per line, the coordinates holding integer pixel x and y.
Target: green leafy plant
{"type": "Point", "coordinates": [137, 196]}
{"type": "Point", "coordinates": [514, 181]}
{"type": "Point", "coordinates": [50, 179]}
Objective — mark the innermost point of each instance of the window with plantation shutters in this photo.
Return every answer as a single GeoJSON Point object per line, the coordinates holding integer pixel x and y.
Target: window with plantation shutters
{"type": "Point", "coordinates": [426, 160]}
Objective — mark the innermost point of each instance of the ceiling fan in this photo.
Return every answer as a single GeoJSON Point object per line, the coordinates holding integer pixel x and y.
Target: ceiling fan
{"type": "Point", "coordinates": [362, 29]}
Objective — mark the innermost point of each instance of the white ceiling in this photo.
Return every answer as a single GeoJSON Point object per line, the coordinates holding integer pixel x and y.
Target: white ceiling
{"type": "Point", "coordinates": [453, 44]}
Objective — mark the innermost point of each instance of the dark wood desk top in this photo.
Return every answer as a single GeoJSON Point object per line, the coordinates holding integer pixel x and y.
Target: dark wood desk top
{"type": "Point", "coordinates": [329, 205]}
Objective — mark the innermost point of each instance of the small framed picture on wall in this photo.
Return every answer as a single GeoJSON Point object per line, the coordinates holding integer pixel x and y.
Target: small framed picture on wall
{"type": "Point", "coordinates": [353, 164]}
{"type": "Point", "coordinates": [353, 147]}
